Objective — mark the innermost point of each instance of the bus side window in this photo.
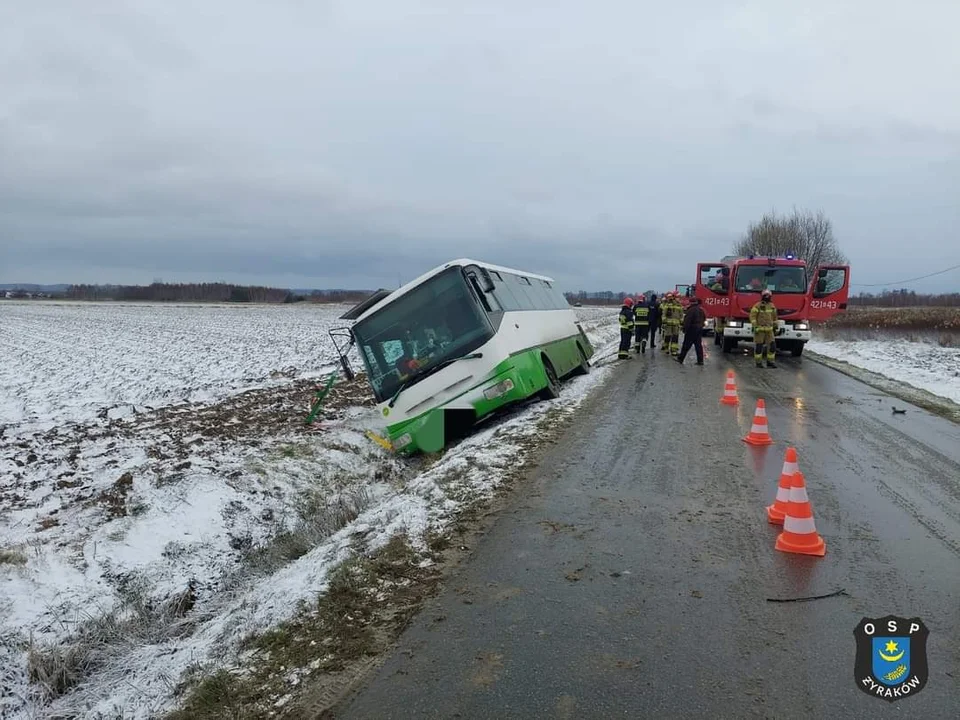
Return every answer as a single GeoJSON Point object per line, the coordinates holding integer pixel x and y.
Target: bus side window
{"type": "Point", "coordinates": [553, 296]}
{"type": "Point", "coordinates": [504, 293]}
{"type": "Point", "coordinates": [520, 288]}
{"type": "Point", "coordinates": [541, 295]}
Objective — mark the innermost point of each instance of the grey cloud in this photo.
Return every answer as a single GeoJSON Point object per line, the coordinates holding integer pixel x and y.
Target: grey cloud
{"type": "Point", "coordinates": [344, 143]}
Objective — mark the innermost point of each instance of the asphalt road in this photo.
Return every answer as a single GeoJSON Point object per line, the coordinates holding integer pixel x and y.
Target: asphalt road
{"type": "Point", "coordinates": [630, 576]}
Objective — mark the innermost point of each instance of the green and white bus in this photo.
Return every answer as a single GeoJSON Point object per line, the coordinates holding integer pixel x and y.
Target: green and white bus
{"type": "Point", "coordinates": [460, 342]}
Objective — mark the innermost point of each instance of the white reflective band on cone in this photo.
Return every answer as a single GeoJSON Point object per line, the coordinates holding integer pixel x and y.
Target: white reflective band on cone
{"type": "Point", "coordinates": [800, 526]}
{"type": "Point", "coordinates": [789, 468]}
{"type": "Point", "coordinates": [758, 428]}
{"type": "Point", "coordinates": [761, 412]}
{"type": "Point", "coordinates": [798, 495]}
{"type": "Point", "coordinates": [783, 494]}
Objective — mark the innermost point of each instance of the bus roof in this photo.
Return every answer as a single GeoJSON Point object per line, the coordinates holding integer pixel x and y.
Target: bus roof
{"type": "Point", "coordinates": [400, 292]}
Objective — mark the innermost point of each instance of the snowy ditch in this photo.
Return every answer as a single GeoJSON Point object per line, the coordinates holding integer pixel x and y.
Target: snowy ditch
{"type": "Point", "coordinates": [178, 505]}
{"type": "Point", "coordinates": [925, 366]}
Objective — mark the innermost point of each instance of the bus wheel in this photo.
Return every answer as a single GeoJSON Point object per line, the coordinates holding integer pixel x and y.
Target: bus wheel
{"type": "Point", "coordinates": [584, 367]}
{"type": "Point", "coordinates": [552, 390]}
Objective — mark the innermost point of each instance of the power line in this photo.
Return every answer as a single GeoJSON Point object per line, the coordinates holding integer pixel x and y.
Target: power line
{"type": "Point", "coordinates": [904, 282]}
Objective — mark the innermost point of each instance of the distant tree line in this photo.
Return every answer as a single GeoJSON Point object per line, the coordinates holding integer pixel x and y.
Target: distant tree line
{"type": "Point", "coordinates": [208, 292]}
{"type": "Point", "coordinates": [905, 298]}
{"type": "Point", "coordinates": [338, 296]}
{"type": "Point", "coordinates": [180, 292]}
{"type": "Point", "coordinates": [603, 297]}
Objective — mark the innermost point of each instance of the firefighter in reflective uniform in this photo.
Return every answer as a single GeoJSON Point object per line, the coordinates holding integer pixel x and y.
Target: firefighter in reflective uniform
{"type": "Point", "coordinates": [664, 306]}
{"type": "Point", "coordinates": [763, 318]}
{"type": "Point", "coordinates": [641, 322]}
{"type": "Point", "coordinates": [626, 328]}
{"type": "Point", "coordinates": [672, 317]}
{"type": "Point", "coordinates": [666, 311]}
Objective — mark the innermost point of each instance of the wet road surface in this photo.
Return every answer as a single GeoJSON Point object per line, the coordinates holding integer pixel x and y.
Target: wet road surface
{"type": "Point", "coordinates": [630, 576]}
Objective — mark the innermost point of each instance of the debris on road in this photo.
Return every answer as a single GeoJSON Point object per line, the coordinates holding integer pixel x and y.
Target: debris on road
{"type": "Point", "coordinates": [841, 591]}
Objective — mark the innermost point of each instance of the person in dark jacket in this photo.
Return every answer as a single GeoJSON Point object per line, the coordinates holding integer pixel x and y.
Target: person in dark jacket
{"type": "Point", "coordinates": [626, 328]}
{"type": "Point", "coordinates": [654, 318]}
{"type": "Point", "coordinates": [693, 321]}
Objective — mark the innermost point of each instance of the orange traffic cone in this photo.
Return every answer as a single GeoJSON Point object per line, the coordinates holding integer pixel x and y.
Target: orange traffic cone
{"type": "Point", "coordinates": [777, 511]}
{"type": "Point", "coordinates": [730, 391]}
{"type": "Point", "coordinates": [799, 531]}
{"type": "Point", "coordinates": [758, 434]}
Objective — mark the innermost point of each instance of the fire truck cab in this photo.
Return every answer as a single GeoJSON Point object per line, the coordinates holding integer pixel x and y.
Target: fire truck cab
{"type": "Point", "coordinates": [728, 289]}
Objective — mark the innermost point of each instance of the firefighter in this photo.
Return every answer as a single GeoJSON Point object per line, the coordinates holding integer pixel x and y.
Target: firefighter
{"type": "Point", "coordinates": [664, 307]}
{"type": "Point", "coordinates": [666, 311]}
{"type": "Point", "coordinates": [672, 317]}
{"type": "Point", "coordinates": [763, 318]}
{"type": "Point", "coordinates": [626, 328]}
{"type": "Point", "coordinates": [654, 316]}
{"type": "Point", "coordinates": [641, 322]}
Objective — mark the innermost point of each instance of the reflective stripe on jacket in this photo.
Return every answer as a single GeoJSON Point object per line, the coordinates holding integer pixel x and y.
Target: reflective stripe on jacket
{"type": "Point", "coordinates": [673, 313]}
{"type": "Point", "coordinates": [626, 318]}
{"type": "Point", "coordinates": [641, 314]}
{"type": "Point", "coordinates": [763, 316]}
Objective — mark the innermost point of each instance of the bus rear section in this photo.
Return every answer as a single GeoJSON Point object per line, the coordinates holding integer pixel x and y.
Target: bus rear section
{"type": "Point", "coordinates": [462, 342]}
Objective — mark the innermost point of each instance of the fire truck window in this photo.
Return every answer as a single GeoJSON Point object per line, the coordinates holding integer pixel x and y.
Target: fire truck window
{"type": "Point", "coordinates": [834, 280]}
{"type": "Point", "coordinates": [712, 279]}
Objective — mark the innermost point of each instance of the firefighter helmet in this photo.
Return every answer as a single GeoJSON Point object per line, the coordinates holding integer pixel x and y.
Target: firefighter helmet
{"type": "Point", "coordinates": [628, 301]}
{"type": "Point", "coordinates": [641, 298]}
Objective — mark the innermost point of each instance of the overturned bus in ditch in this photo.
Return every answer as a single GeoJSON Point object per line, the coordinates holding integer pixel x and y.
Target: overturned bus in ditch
{"type": "Point", "coordinates": [457, 344]}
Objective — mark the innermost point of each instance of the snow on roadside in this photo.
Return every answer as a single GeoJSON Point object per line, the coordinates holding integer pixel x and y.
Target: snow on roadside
{"type": "Point", "coordinates": [921, 365]}
{"type": "Point", "coordinates": [182, 498]}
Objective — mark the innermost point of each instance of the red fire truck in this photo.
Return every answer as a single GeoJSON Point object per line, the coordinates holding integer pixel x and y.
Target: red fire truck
{"type": "Point", "coordinates": [729, 288]}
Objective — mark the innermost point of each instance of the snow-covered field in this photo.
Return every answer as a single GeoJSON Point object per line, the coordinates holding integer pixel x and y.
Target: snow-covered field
{"type": "Point", "coordinates": [70, 361]}
{"type": "Point", "coordinates": [161, 497]}
{"type": "Point", "coordinates": [924, 366]}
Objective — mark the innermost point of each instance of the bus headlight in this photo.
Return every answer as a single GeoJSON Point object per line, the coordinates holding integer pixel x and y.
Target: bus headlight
{"type": "Point", "coordinates": [735, 323]}
{"type": "Point", "coordinates": [402, 441]}
{"type": "Point", "coordinates": [501, 388]}
{"type": "Point", "coordinates": [801, 326]}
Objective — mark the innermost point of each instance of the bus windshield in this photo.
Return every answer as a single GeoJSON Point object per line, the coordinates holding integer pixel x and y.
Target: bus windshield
{"type": "Point", "coordinates": [438, 321]}
{"type": "Point", "coordinates": [781, 279]}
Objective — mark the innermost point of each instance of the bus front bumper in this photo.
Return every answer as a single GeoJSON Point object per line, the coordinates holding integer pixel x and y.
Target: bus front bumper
{"type": "Point", "coordinates": [427, 432]}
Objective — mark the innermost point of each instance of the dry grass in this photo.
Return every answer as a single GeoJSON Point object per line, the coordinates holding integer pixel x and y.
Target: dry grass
{"type": "Point", "coordinates": [940, 325]}
{"type": "Point", "coordinates": [317, 518]}
{"type": "Point", "coordinates": [926, 319]}
{"type": "Point", "coordinates": [368, 601]}
{"type": "Point", "coordinates": [99, 637]}
{"type": "Point", "coordinates": [12, 556]}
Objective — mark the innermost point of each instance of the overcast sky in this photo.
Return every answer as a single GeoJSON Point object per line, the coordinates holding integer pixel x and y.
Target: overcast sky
{"type": "Point", "coordinates": [352, 144]}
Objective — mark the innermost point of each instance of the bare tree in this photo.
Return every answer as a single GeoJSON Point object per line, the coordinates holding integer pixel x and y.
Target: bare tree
{"type": "Point", "coordinates": [807, 235]}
